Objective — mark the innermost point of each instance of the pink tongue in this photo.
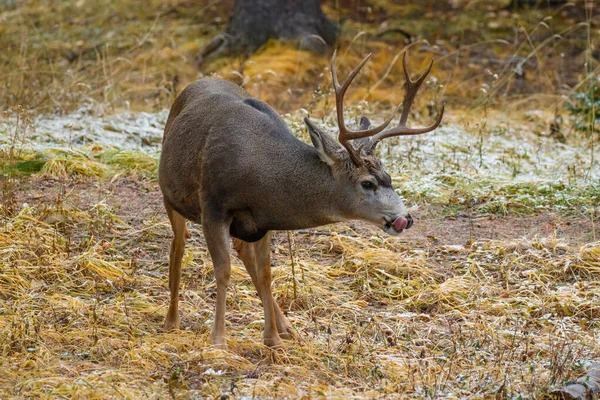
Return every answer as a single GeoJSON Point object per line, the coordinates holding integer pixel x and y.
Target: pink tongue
{"type": "Point", "coordinates": [400, 223]}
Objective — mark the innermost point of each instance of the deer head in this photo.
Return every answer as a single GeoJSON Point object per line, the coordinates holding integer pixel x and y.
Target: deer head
{"type": "Point", "coordinates": [367, 189]}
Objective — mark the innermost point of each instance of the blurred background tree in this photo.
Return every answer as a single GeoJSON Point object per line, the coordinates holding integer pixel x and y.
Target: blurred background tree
{"type": "Point", "coordinates": [254, 22]}
{"type": "Point", "coordinates": [62, 56]}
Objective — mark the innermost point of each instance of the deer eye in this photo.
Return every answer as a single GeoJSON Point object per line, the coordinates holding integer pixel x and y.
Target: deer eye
{"type": "Point", "coordinates": [367, 185]}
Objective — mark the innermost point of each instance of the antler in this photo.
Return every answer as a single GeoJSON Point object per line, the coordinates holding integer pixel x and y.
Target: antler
{"type": "Point", "coordinates": [378, 132]}
{"type": "Point", "coordinates": [345, 134]}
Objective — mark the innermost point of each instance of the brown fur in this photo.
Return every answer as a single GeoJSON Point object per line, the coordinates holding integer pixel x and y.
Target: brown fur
{"type": "Point", "coordinates": [230, 162]}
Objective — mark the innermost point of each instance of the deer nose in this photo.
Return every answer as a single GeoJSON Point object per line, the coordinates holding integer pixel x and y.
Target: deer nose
{"type": "Point", "coordinates": [410, 221]}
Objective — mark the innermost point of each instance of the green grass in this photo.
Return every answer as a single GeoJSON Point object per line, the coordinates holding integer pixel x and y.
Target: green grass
{"type": "Point", "coordinates": [81, 162]}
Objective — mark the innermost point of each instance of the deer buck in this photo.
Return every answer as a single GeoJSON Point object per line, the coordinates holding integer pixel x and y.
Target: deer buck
{"type": "Point", "coordinates": [230, 163]}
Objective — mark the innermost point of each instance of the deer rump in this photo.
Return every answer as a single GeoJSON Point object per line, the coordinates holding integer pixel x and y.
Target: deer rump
{"type": "Point", "coordinates": [252, 159]}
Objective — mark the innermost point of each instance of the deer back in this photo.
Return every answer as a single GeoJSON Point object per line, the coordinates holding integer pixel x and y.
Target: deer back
{"type": "Point", "coordinates": [235, 156]}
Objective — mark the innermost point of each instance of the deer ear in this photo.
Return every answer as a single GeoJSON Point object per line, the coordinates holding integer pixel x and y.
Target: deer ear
{"type": "Point", "coordinates": [364, 123]}
{"type": "Point", "coordinates": [363, 143]}
{"type": "Point", "coordinates": [330, 151]}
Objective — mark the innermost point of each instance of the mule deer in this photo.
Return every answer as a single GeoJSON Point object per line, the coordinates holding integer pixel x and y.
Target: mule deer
{"type": "Point", "coordinates": [230, 162]}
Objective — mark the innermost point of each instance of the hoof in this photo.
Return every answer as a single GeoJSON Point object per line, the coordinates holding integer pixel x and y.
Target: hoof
{"type": "Point", "coordinates": [220, 346]}
{"type": "Point", "coordinates": [171, 324]}
{"type": "Point", "coordinates": [274, 343]}
{"type": "Point", "coordinates": [289, 333]}
{"type": "Point", "coordinates": [218, 341]}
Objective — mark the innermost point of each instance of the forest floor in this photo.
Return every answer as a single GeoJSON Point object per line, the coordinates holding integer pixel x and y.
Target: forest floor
{"type": "Point", "coordinates": [493, 293]}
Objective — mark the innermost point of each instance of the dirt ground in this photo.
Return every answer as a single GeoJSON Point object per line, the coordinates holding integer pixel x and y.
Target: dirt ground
{"type": "Point", "coordinates": [372, 302]}
{"type": "Point", "coordinates": [135, 201]}
{"type": "Point", "coordinates": [465, 304]}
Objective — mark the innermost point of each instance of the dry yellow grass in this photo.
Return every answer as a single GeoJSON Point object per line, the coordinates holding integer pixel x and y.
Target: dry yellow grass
{"type": "Point", "coordinates": [83, 295]}
{"type": "Point", "coordinates": [83, 242]}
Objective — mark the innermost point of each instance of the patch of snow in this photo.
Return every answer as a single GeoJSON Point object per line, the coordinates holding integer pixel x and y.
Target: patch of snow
{"type": "Point", "coordinates": [438, 159]}
{"type": "Point", "coordinates": [518, 155]}
{"type": "Point", "coordinates": [128, 130]}
{"type": "Point", "coordinates": [211, 371]}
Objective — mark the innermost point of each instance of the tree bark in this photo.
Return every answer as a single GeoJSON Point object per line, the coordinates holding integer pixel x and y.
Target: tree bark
{"type": "Point", "coordinates": [254, 22]}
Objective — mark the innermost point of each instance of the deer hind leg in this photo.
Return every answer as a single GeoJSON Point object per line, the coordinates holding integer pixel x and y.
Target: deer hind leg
{"type": "Point", "coordinates": [216, 233]}
{"type": "Point", "coordinates": [257, 260]}
{"type": "Point", "coordinates": [180, 234]}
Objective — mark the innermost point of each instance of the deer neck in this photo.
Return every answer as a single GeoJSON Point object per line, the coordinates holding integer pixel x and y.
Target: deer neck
{"type": "Point", "coordinates": [320, 199]}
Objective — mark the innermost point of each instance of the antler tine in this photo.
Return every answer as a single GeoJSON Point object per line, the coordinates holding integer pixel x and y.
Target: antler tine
{"type": "Point", "coordinates": [350, 77]}
{"type": "Point", "coordinates": [340, 91]}
{"type": "Point", "coordinates": [411, 87]}
{"type": "Point", "coordinates": [404, 131]}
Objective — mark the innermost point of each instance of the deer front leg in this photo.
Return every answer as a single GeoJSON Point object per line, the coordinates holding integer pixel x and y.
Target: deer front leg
{"type": "Point", "coordinates": [175, 255]}
{"type": "Point", "coordinates": [216, 233]}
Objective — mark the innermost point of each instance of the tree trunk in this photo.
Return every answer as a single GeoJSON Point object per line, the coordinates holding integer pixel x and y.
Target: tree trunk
{"type": "Point", "coordinates": [254, 22]}
{"type": "Point", "coordinates": [535, 3]}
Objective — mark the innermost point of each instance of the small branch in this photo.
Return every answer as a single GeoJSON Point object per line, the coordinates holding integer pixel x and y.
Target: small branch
{"type": "Point", "coordinates": [293, 265]}
{"type": "Point", "coordinates": [214, 47]}
{"type": "Point", "coordinates": [406, 34]}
